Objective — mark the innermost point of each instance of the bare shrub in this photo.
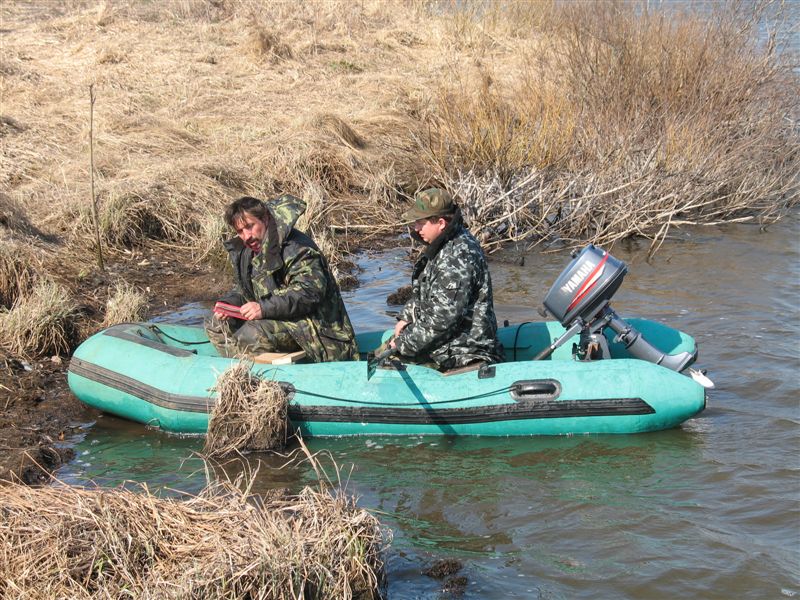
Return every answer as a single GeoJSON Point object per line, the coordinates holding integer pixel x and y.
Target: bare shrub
{"type": "Point", "coordinates": [71, 542]}
{"type": "Point", "coordinates": [41, 323]}
{"type": "Point", "coordinates": [250, 414]}
{"type": "Point", "coordinates": [125, 304]}
{"type": "Point", "coordinates": [631, 123]}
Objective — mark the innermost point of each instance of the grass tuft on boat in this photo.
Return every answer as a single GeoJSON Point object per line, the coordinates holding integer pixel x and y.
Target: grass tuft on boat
{"type": "Point", "coordinates": [250, 414]}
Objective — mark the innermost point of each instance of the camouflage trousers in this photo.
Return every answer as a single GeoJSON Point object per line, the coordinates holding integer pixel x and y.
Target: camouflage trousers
{"type": "Point", "coordinates": [234, 337]}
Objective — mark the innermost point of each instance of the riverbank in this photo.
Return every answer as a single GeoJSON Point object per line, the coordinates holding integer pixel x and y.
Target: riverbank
{"type": "Point", "coordinates": [39, 412]}
{"type": "Point", "coordinates": [684, 118]}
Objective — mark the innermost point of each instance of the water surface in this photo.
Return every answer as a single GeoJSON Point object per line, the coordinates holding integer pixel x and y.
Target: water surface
{"type": "Point", "coordinates": [709, 510]}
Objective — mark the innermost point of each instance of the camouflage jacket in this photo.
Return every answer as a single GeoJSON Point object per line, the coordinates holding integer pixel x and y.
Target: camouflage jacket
{"type": "Point", "coordinates": [291, 281]}
{"type": "Point", "coordinates": [451, 311]}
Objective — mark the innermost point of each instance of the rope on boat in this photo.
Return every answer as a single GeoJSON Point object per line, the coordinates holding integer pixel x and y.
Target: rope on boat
{"type": "Point", "coordinates": [516, 337]}
{"type": "Point", "coordinates": [405, 404]}
{"type": "Point", "coordinates": [158, 331]}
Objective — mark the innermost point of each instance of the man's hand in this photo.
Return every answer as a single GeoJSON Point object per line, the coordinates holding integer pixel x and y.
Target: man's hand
{"type": "Point", "coordinates": [251, 311]}
{"type": "Point", "coordinates": [399, 326]}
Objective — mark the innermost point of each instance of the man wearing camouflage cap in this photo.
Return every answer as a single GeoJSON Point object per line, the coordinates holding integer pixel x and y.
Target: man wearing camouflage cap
{"type": "Point", "coordinates": [289, 299]}
{"type": "Point", "coordinates": [449, 319]}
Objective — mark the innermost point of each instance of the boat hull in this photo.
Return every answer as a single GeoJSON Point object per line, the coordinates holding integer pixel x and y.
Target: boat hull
{"type": "Point", "coordinates": [163, 376]}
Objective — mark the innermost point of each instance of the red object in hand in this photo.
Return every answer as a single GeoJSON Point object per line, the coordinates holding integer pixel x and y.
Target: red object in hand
{"type": "Point", "coordinates": [229, 310]}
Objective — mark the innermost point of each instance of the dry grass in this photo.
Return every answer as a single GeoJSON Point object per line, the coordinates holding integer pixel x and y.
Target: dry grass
{"type": "Point", "coordinates": [40, 323]}
{"type": "Point", "coordinates": [70, 542]}
{"type": "Point", "coordinates": [593, 121]}
{"type": "Point", "coordinates": [623, 122]}
{"type": "Point", "coordinates": [18, 271]}
{"type": "Point", "coordinates": [125, 304]}
{"type": "Point", "coordinates": [250, 414]}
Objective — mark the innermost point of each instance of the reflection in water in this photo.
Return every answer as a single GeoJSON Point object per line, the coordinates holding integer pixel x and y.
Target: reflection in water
{"type": "Point", "coordinates": [708, 510]}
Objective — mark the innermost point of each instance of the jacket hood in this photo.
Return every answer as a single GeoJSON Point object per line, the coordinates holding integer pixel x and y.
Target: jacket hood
{"type": "Point", "coordinates": [284, 212]}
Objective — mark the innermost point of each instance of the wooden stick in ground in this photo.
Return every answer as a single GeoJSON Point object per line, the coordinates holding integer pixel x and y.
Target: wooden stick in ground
{"type": "Point", "coordinates": [92, 97]}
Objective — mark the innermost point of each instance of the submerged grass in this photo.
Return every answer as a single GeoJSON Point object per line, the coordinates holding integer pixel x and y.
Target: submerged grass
{"type": "Point", "coordinates": [71, 542]}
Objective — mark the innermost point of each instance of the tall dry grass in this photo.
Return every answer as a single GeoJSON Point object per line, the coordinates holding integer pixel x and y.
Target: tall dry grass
{"type": "Point", "coordinates": [43, 322]}
{"type": "Point", "coordinates": [125, 304]}
{"type": "Point", "coordinates": [71, 542]}
{"type": "Point", "coordinates": [623, 121]}
{"type": "Point", "coordinates": [19, 270]}
{"type": "Point", "coordinates": [250, 414]}
{"type": "Point", "coordinates": [570, 121]}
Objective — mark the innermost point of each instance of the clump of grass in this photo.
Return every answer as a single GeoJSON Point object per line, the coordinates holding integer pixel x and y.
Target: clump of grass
{"type": "Point", "coordinates": [263, 43]}
{"type": "Point", "coordinates": [12, 215]}
{"type": "Point", "coordinates": [18, 272]}
{"type": "Point", "coordinates": [125, 304]}
{"type": "Point", "coordinates": [71, 542]}
{"type": "Point", "coordinates": [250, 414]}
{"type": "Point", "coordinates": [209, 248]}
{"type": "Point", "coordinates": [339, 129]}
{"type": "Point", "coordinates": [41, 323]}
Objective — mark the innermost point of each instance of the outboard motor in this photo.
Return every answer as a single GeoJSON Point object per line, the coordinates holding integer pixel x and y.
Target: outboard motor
{"type": "Point", "coordinates": [579, 299]}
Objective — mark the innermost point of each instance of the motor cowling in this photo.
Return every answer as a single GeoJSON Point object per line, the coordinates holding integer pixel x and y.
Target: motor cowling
{"type": "Point", "coordinates": [580, 298]}
{"type": "Point", "coordinates": [585, 286]}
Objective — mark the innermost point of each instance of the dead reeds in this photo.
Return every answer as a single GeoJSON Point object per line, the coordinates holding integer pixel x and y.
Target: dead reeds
{"type": "Point", "coordinates": [621, 121]}
{"type": "Point", "coordinates": [555, 121]}
{"type": "Point", "coordinates": [71, 542]}
{"type": "Point", "coordinates": [250, 414]}
{"type": "Point", "coordinates": [125, 304]}
{"type": "Point", "coordinates": [42, 322]}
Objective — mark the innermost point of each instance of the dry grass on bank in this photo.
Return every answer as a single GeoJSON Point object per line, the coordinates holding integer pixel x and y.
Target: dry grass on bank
{"type": "Point", "coordinates": [250, 414]}
{"type": "Point", "coordinates": [624, 122]}
{"type": "Point", "coordinates": [43, 322]}
{"type": "Point", "coordinates": [18, 272]}
{"type": "Point", "coordinates": [125, 304]}
{"type": "Point", "coordinates": [70, 542]}
{"type": "Point", "coordinates": [572, 121]}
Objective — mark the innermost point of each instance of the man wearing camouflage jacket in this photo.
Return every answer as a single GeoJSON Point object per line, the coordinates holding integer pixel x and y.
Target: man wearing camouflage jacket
{"type": "Point", "coordinates": [449, 319]}
{"type": "Point", "coordinates": [289, 299]}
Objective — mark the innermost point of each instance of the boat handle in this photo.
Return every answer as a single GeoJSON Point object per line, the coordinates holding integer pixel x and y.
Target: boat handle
{"type": "Point", "coordinates": [535, 389]}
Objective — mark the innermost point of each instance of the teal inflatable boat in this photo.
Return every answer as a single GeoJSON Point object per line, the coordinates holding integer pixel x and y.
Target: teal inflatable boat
{"type": "Point", "coordinates": [589, 372]}
{"type": "Point", "coordinates": [161, 375]}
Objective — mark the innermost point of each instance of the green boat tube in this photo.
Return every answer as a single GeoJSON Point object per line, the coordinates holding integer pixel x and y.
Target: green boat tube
{"type": "Point", "coordinates": [162, 375]}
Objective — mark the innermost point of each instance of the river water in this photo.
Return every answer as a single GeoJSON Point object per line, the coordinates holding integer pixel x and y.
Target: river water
{"type": "Point", "coordinates": [708, 510]}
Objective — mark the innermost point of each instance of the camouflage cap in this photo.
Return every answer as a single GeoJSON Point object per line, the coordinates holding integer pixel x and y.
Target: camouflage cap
{"type": "Point", "coordinates": [432, 202]}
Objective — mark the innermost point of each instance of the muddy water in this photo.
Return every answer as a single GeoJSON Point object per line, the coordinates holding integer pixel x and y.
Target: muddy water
{"type": "Point", "coordinates": [709, 510]}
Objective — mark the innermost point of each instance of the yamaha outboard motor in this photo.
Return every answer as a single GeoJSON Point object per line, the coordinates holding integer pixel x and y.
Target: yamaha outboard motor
{"type": "Point", "coordinates": [579, 300]}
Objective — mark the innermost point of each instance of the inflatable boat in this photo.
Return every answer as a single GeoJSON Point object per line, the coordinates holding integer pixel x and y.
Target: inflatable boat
{"type": "Point", "coordinates": [588, 372]}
